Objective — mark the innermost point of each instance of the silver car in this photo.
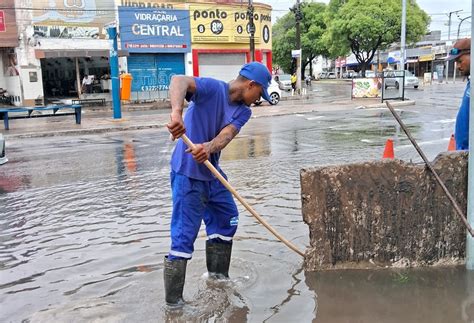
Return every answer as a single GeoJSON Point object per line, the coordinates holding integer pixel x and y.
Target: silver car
{"type": "Point", "coordinates": [394, 78]}
{"type": "Point", "coordinates": [284, 81]}
{"type": "Point", "coordinates": [3, 157]}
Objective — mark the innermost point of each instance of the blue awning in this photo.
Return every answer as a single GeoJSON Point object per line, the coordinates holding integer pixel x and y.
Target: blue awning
{"type": "Point", "coordinates": [351, 65]}
{"type": "Point", "coordinates": [392, 60]}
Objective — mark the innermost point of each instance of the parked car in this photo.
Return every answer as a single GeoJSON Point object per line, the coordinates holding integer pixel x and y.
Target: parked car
{"type": "Point", "coordinates": [3, 157]}
{"type": "Point", "coordinates": [274, 92]}
{"type": "Point", "coordinates": [394, 78]}
{"type": "Point", "coordinates": [369, 73]}
{"type": "Point", "coordinates": [285, 81]}
{"type": "Point", "coordinates": [349, 74]}
{"type": "Point", "coordinates": [322, 75]}
{"type": "Point", "coordinates": [327, 75]}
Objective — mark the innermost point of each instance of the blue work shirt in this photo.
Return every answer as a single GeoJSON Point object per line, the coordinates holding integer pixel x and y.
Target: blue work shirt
{"type": "Point", "coordinates": [461, 134]}
{"type": "Point", "coordinates": [208, 113]}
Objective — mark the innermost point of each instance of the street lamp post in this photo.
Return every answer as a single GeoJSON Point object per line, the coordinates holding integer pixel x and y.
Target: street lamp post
{"type": "Point", "coordinates": [298, 46]}
{"type": "Point", "coordinates": [457, 38]}
{"type": "Point", "coordinates": [449, 38]}
{"type": "Point", "coordinates": [114, 72]}
{"type": "Point", "coordinates": [250, 12]}
{"type": "Point", "coordinates": [403, 35]}
{"type": "Point", "coordinates": [470, 173]}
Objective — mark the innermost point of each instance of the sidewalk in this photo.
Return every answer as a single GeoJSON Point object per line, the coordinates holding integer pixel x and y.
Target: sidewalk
{"type": "Point", "coordinates": [156, 115]}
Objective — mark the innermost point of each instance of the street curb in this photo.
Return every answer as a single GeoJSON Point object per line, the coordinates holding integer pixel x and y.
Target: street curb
{"type": "Point", "coordinates": [155, 126]}
{"type": "Point", "coordinates": [393, 103]}
{"type": "Point", "coordinates": [81, 131]}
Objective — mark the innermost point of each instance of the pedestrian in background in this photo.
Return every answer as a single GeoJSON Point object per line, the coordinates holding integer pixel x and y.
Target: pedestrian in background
{"type": "Point", "coordinates": [215, 115]}
{"type": "Point", "coordinates": [461, 52]}
{"type": "Point", "coordinates": [293, 80]}
{"type": "Point", "coordinates": [87, 83]}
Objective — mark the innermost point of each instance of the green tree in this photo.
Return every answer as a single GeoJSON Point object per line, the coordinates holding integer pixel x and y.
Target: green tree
{"type": "Point", "coordinates": [312, 29]}
{"type": "Point", "coordinates": [365, 26]}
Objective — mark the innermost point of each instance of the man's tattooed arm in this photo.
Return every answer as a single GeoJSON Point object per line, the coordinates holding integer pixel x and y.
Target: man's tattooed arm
{"type": "Point", "coordinates": [221, 140]}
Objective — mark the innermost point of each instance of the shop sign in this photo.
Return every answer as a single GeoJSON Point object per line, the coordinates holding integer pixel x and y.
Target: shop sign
{"type": "Point", "coordinates": [228, 24]}
{"type": "Point", "coordinates": [366, 88]}
{"type": "Point", "coordinates": [439, 49]}
{"type": "Point", "coordinates": [351, 60]}
{"type": "Point", "coordinates": [150, 4]}
{"type": "Point", "coordinates": [8, 25]}
{"type": "Point", "coordinates": [154, 30]}
{"type": "Point", "coordinates": [340, 62]}
{"type": "Point", "coordinates": [2, 21]}
{"type": "Point", "coordinates": [72, 19]}
{"type": "Point", "coordinates": [426, 58]}
{"type": "Point", "coordinates": [295, 53]}
{"type": "Point", "coordinates": [48, 31]}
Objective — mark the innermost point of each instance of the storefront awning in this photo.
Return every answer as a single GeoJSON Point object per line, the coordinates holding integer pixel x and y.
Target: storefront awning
{"type": "Point", "coordinates": [392, 60]}
{"type": "Point", "coordinates": [40, 53]}
{"type": "Point", "coordinates": [351, 65]}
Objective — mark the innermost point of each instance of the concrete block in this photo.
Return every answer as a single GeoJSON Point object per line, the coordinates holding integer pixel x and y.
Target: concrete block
{"type": "Point", "coordinates": [384, 213]}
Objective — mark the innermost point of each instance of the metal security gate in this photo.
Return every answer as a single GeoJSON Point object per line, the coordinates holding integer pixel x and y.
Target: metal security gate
{"type": "Point", "coordinates": [224, 66]}
{"type": "Point", "coordinates": [152, 74]}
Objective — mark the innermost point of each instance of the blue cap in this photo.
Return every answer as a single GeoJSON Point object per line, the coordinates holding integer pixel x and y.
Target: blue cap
{"type": "Point", "coordinates": [461, 47]}
{"type": "Point", "coordinates": [258, 73]}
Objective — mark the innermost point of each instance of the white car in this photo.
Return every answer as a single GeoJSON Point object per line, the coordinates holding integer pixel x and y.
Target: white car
{"type": "Point", "coordinates": [395, 77]}
{"type": "Point", "coordinates": [274, 92]}
{"type": "Point", "coordinates": [285, 80]}
{"type": "Point", "coordinates": [3, 158]}
{"type": "Point", "coordinates": [369, 73]}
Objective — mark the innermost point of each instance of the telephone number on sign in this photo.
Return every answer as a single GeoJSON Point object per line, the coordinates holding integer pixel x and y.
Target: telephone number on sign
{"type": "Point", "coordinates": [155, 87]}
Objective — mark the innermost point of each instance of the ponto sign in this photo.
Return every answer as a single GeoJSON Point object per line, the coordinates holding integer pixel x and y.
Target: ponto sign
{"type": "Point", "coordinates": [209, 14]}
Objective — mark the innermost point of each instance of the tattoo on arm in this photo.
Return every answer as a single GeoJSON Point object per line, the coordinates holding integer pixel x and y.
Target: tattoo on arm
{"type": "Point", "coordinates": [222, 139]}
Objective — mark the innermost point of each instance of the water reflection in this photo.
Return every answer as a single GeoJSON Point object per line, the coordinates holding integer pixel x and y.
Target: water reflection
{"type": "Point", "coordinates": [467, 305]}
{"type": "Point", "coordinates": [247, 147]}
{"type": "Point", "coordinates": [409, 295]}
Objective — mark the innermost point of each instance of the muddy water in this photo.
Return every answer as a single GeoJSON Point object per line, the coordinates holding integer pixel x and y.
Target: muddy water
{"type": "Point", "coordinates": [84, 228]}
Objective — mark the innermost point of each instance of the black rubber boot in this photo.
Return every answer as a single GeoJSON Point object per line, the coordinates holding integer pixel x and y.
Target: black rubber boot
{"type": "Point", "coordinates": [174, 275]}
{"type": "Point", "coordinates": [218, 258]}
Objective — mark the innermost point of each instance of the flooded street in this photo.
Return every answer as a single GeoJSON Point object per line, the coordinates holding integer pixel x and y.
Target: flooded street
{"type": "Point", "coordinates": [85, 219]}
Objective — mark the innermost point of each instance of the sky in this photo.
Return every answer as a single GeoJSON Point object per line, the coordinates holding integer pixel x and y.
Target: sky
{"type": "Point", "coordinates": [437, 9]}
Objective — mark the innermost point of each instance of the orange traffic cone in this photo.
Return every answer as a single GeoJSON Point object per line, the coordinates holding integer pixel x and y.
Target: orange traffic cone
{"type": "Point", "coordinates": [388, 152]}
{"type": "Point", "coordinates": [452, 144]}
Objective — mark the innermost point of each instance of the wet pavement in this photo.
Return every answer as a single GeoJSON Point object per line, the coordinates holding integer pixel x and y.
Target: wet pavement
{"type": "Point", "coordinates": [85, 223]}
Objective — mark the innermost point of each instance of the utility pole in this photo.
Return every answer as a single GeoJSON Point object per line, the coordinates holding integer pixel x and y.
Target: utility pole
{"type": "Point", "coordinates": [457, 38]}
{"type": "Point", "coordinates": [114, 72]}
{"type": "Point", "coordinates": [298, 18]}
{"type": "Point", "coordinates": [251, 30]}
{"type": "Point", "coordinates": [403, 35]}
{"type": "Point", "coordinates": [470, 174]}
{"type": "Point", "coordinates": [449, 38]}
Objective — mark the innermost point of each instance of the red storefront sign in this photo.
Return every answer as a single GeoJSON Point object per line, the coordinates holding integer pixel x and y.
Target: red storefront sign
{"type": "Point", "coordinates": [3, 24]}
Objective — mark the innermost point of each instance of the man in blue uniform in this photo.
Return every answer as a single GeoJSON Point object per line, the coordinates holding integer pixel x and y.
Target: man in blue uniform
{"type": "Point", "coordinates": [216, 112]}
{"type": "Point", "coordinates": [461, 52]}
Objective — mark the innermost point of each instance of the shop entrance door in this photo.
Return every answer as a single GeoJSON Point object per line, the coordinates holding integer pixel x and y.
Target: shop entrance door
{"type": "Point", "coordinates": [152, 74]}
